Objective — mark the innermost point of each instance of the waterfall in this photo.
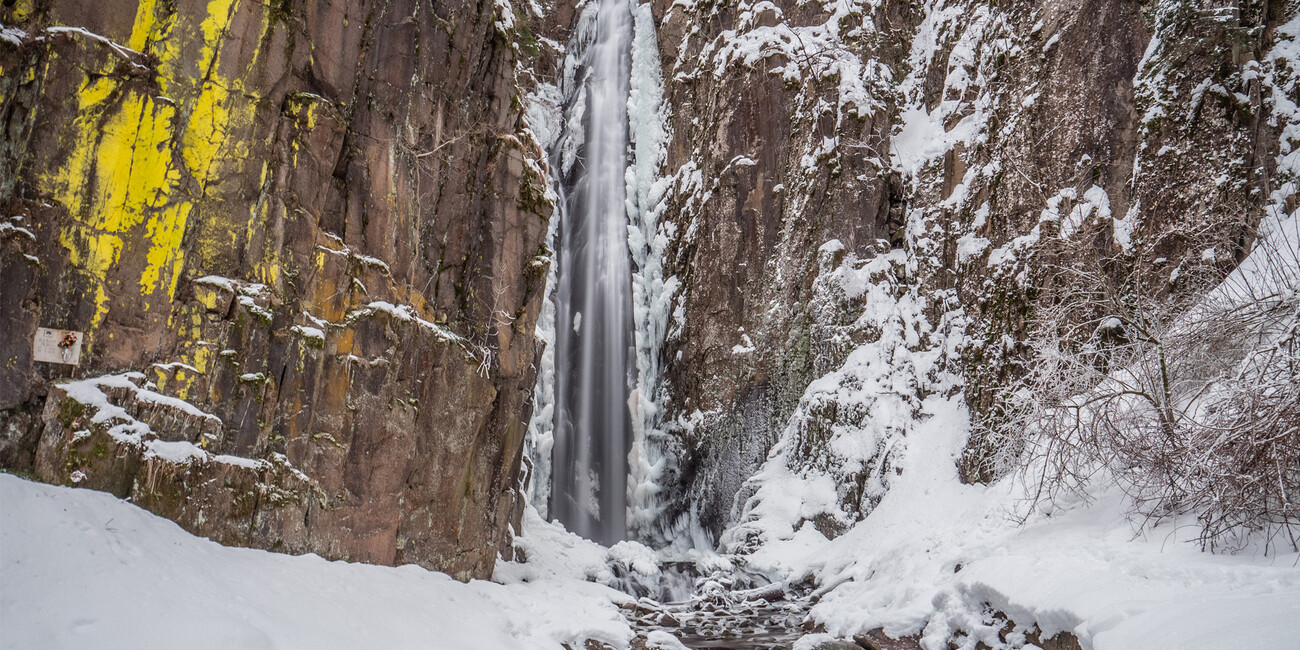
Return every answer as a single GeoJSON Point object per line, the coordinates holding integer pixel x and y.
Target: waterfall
{"type": "Point", "coordinates": [594, 354]}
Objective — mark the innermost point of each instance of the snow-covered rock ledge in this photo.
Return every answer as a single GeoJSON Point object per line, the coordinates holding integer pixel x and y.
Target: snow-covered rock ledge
{"type": "Point", "coordinates": [113, 433]}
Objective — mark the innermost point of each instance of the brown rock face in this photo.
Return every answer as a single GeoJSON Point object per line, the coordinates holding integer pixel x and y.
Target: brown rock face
{"type": "Point", "coordinates": [770, 194]}
{"type": "Point", "coordinates": [317, 222]}
{"type": "Point", "coordinates": [785, 138]}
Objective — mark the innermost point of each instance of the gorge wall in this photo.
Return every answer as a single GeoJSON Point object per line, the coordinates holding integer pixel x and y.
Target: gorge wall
{"type": "Point", "coordinates": [322, 226]}
{"type": "Point", "coordinates": [303, 240]}
{"type": "Point", "coordinates": [976, 162]}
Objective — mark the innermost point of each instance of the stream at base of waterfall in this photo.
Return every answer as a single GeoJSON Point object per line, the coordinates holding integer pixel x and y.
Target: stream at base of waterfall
{"type": "Point", "coordinates": [718, 616]}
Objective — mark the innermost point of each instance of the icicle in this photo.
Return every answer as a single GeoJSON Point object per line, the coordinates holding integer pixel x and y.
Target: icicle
{"type": "Point", "coordinates": [648, 120]}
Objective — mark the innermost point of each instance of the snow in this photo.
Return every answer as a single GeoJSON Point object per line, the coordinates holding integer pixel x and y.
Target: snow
{"type": "Point", "coordinates": [970, 247]}
{"type": "Point", "coordinates": [309, 332]}
{"type": "Point", "coordinates": [924, 135]}
{"type": "Point", "coordinates": [505, 16]}
{"type": "Point", "coordinates": [177, 365]}
{"type": "Point", "coordinates": [90, 392]}
{"type": "Point", "coordinates": [1007, 253]}
{"type": "Point", "coordinates": [1123, 233]}
{"type": "Point", "coordinates": [660, 640]}
{"type": "Point", "coordinates": [239, 461]}
{"type": "Point", "coordinates": [121, 51]}
{"type": "Point", "coordinates": [815, 52]}
{"type": "Point", "coordinates": [408, 314]}
{"type": "Point", "coordinates": [934, 553]}
{"type": "Point", "coordinates": [934, 557]}
{"type": "Point", "coordinates": [12, 35]}
{"type": "Point", "coordinates": [372, 261]}
{"type": "Point", "coordinates": [836, 456]}
{"type": "Point", "coordinates": [812, 641]}
{"type": "Point", "coordinates": [919, 141]}
{"type": "Point", "coordinates": [344, 250]}
{"type": "Point", "coordinates": [1095, 201]}
{"type": "Point", "coordinates": [746, 346]}
{"type": "Point", "coordinates": [218, 281]}
{"type": "Point", "coordinates": [12, 229]}
{"type": "Point", "coordinates": [553, 553]}
{"type": "Point", "coordinates": [542, 113]}
{"type": "Point", "coordinates": [124, 428]}
{"type": "Point", "coordinates": [83, 569]}
{"type": "Point", "coordinates": [179, 452]}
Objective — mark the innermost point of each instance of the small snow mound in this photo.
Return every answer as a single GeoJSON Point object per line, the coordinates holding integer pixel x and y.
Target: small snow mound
{"type": "Point", "coordinates": [660, 640]}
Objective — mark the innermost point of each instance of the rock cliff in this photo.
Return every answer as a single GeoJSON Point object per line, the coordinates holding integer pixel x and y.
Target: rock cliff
{"type": "Point", "coordinates": [308, 233]}
{"type": "Point", "coordinates": [1008, 153]}
{"type": "Point", "coordinates": [321, 227]}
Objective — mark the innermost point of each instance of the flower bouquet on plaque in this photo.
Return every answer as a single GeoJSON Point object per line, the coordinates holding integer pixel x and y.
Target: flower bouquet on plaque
{"type": "Point", "coordinates": [67, 343]}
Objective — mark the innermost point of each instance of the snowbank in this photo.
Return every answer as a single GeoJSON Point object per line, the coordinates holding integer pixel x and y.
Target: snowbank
{"type": "Point", "coordinates": [547, 552]}
{"type": "Point", "coordinates": [936, 557]}
{"type": "Point", "coordinates": [83, 569]}
{"type": "Point", "coordinates": [939, 559]}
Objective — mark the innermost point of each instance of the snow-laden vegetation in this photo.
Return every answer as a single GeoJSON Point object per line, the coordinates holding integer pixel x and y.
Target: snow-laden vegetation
{"type": "Point", "coordinates": [927, 555]}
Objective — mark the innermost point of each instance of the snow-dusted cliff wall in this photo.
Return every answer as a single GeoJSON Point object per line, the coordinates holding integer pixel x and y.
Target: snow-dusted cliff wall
{"type": "Point", "coordinates": [986, 159]}
{"type": "Point", "coordinates": [317, 224]}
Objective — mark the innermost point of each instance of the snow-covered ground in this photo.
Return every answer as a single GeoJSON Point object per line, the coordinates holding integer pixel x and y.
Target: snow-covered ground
{"type": "Point", "coordinates": [937, 557]}
{"type": "Point", "coordinates": [83, 569]}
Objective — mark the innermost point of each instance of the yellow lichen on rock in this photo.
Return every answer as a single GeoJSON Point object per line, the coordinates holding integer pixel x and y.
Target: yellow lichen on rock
{"type": "Point", "coordinates": [220, 106]}
{"type": "Point", "coordinates": [118, 176]}
{"type": "Point", "coordinates": [138, 164]}
{"type": "Point", "coordinates": [145, 26]}
{"type": "Point", "coordinates": [165, 258]}
{"type": "Point", "coordinates": [21, 10]}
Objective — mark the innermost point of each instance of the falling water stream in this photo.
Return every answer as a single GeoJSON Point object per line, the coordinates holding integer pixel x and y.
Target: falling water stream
{"type": "Point", "coordinates": [595, 361]}
{"type": "Point", "coordinates": [594, 356]}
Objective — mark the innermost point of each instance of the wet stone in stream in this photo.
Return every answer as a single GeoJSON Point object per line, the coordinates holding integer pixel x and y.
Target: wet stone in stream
{"type": "Point", "coordinates": [716, 617]}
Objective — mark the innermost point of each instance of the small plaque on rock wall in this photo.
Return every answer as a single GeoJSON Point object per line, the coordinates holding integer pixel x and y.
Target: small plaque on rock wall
{"type": "Point", "coordinates": [57, 346]}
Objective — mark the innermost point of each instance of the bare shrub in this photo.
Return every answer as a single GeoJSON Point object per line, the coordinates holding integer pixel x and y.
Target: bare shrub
{"type": "Point", "coordinates": [1192, 408]}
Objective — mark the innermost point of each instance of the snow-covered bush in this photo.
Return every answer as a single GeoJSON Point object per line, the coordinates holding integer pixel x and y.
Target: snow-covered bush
{"type": "Point", "coordinates": [1193, 409]}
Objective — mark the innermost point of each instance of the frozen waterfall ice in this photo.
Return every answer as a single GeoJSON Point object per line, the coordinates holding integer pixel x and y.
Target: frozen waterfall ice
{"type": "Point", "coordinates": [595, 362]}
